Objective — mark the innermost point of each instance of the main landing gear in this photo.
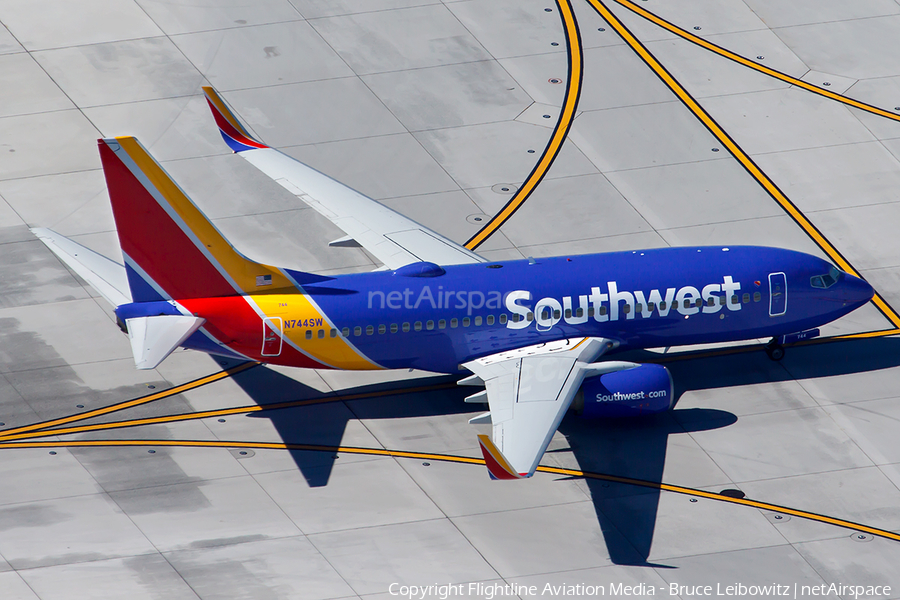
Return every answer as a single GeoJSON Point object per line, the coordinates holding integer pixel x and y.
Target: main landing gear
{"type": "Point", "coordinates": [775, 350]}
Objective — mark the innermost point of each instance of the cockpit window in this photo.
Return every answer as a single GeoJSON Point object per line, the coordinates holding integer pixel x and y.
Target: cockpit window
{"type": "Point", "coordinates": [827, 280]}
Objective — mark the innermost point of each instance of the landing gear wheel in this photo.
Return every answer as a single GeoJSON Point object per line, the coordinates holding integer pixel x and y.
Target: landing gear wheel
{"type": "Point", "coordinates": [775, 351]}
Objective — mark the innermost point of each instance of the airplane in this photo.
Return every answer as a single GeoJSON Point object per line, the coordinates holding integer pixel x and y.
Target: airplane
{"type": "Point", "coordinates": [529, 331]}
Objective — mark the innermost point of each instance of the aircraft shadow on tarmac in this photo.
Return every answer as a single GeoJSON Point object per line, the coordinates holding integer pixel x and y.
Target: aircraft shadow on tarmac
{"type": "Point", "coordinates": [633, 448]}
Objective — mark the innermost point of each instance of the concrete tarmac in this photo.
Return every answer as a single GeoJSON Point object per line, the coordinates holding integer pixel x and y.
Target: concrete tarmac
{"type": "Point", "coordinates": [722, 122]}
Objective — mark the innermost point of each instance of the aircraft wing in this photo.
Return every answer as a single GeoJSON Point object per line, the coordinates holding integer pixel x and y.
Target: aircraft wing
{"type": "Point", "coordinates": [528, 391]}
{"type": "Point", "coordinates": [393, 239]}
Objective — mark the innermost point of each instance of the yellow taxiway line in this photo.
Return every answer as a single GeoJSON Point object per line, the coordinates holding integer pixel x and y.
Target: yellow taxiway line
{"type": "Point", "coordinates": [724, 52]}
{"type": "Point", "coordinates": [573, 42]}
{"type": "Point", "coordinates": [560, 132]}
{"type": "Point", "coordinates": [20, 434]}
{"type": "Point", "coordinates": [45, 429]}
{"type": "Point", "coordinates": [191, 385]}
{"type": "Point", "coordinates": [743, 158]}
{"type": "Point", "coordinates": [464, 460]}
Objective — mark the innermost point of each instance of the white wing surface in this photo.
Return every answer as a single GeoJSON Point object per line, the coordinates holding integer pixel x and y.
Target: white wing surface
{"type": "Point", "coordinates": [392, 238]}
{"type": "Point", "coordinates": [154, 338]}
{"type": "Point", "coordinates": [528, 391]}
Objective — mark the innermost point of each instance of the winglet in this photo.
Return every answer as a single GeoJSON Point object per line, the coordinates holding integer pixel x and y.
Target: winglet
{"type": "Point", "coordinates": [234, 134]}
{"type": "Point", "coordinates": [498, 466]}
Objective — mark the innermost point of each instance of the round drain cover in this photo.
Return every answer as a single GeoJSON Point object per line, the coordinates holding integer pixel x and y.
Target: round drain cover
{"type": "Point", "coordinates": [504, 188]}
{"type": "Point", "coordinates": [777, 517]}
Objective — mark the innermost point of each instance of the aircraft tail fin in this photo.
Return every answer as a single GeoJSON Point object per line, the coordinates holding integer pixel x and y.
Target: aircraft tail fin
{"type": "Point", "coordinates": [171, 250]}
{"type": "Point", "coordinates": [497, 465]}
{"type": "Point", "coordinates": [233, 132]}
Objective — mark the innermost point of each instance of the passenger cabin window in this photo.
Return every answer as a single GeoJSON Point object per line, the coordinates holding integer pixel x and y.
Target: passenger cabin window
{"type": "Point", "coordinates": [477, 321]}
{"type": "Point", "coordinates": [746, 299]}
{"type": "Point", "coordinates": [490, 319]}
{"type": "Point", "coordinates": [357, 331]}
{"type": "Point", "coordinates": [345, 332]}
{"type": "Point", "coordinates": [333, 333]}
{"type": "Point", "coordinates": [394, 328]}
{"type": "Point", "coordinates": [370, 329]}
{"type": "Point", "coordinates": [382, 329]}
{"type": "Point", "coordinates": [418, 326]}
{"type": "Point", "coordinates": [429, 325]}
{"type": "Point", "coordinates": [321, 334]}
{"type": "Point", "coordinates": [406, 328]}
{"type": "Point", "coordinates": [454, 323]}
{"type": "Point", "coordinates": [503, 319]}
{"type": "Point", "coordinates": [309, 334]}
{"type": "Point", "coordinates": [442, 324]}
{"type": "Point", "coordinates": [466, 321]}
{"type": "Point", "coordinates": [757, 296]}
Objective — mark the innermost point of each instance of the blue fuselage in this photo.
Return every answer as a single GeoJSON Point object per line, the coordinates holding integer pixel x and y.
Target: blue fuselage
{"type": "Point", "coordinates": [437, 318]}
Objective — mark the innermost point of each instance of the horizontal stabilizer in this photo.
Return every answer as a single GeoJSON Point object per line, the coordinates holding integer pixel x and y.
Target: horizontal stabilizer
{"type": "Point", "coordinates": [103, 274]}
{"type": "Point", "coordinates": [154, 338]}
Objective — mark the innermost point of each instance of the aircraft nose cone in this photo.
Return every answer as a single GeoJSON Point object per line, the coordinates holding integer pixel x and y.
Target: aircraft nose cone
{"type": "Point", "coordinates": [858, 290]}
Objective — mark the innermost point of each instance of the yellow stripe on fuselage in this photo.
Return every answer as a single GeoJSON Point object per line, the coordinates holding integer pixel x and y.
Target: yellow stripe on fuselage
{"type": "Point", "coordinates": [299, 315]}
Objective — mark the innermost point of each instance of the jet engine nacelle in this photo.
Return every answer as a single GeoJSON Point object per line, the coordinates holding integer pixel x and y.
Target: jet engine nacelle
{"type": "Point", "coordinates": [643, 390]}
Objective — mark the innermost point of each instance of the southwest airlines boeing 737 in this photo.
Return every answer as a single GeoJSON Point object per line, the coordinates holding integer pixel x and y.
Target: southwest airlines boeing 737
{"type": "Point", "coordinates": [529, 331]}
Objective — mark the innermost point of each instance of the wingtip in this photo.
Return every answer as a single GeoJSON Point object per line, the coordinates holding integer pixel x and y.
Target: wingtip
{"type": "Point", "coordinates": [233, 132]}
{"type": "Point", "coordinates": [497, 465]}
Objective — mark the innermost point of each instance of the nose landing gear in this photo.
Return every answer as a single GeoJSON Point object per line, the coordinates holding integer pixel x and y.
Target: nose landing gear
{"type": "Point", "coordinates": [774, 350]}
{"type": "Point", "coordinates": [775, 347]}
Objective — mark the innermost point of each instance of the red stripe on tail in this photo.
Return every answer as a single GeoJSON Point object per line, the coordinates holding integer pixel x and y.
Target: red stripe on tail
{"type": "Point", "coordinates": [154, 241]}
